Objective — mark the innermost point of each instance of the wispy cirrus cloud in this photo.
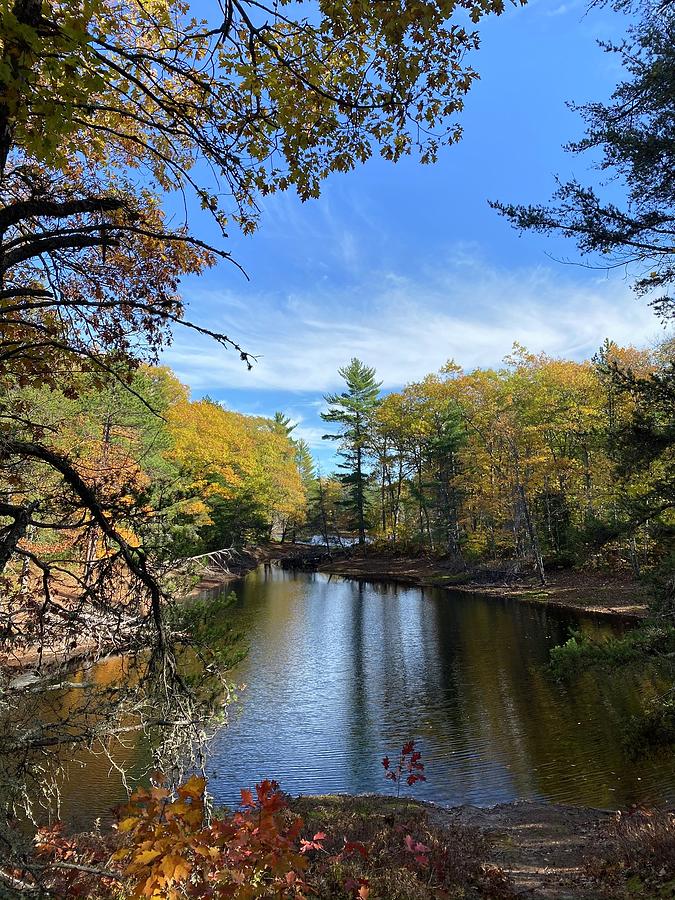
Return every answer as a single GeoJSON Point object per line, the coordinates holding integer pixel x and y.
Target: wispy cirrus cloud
{"type": "Point", "coordinates": [406, 325]}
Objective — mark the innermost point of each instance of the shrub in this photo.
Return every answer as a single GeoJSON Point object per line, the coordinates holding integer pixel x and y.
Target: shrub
{"type": "Point", "coordinates": [396, 851]}
{"type": "Point", "coordinates": [635, 856]}
{"type": "Point", "coordinates": [166, 847]}
{"type": "Point", "coordinates": [409, 766]}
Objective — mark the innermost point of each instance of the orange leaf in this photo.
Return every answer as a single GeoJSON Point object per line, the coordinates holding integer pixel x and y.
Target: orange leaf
{"type": "Point", "coordinates": [193, 787]}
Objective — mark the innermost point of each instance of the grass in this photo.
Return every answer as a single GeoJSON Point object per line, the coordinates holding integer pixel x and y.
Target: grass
{"type": "Point", "coordinates": [635, 857]}
{"type": "Point", "coordinates": [374, 843]}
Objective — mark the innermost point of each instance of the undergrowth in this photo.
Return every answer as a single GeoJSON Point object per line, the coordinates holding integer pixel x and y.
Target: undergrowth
{"type": "Point", "coordinates": [400, 854]}
{"type": "Point", "coordinates": [634, 857]}
{"type": "Point", "coordinates": [168, 846]}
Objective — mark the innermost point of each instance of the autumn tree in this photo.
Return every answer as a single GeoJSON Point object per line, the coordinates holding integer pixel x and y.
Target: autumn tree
{"type": "Point", "coordinates": [106, 109]}
{"type": "Point", "coordinates": [328, 512]}
{"type": "Point", "coordinates": [429, 432]}
{"type": "Point", "coordinates": [242, 468]}
{"type": "Point", "coordinates": [352, 412]}
{"type": "Point", "coordinates": [543, 461]}
{"type": "Point", "coordinates": [391, 447]}
{"type": "Point", "coordinates": [641, 446]}
{"type": "Point", "coordinates": [115, 117]}
{"type": "Point", "coordinates": [304, 463]}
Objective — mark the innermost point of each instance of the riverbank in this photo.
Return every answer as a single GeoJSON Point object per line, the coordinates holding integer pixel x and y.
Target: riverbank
{"type": "Point", "coordinates": [598, 593]}
{"type": "Point", "coordinates": [126, 636]}
{"type": "Point", "coordinates": [538, 850]}
{"type": "Point", "coordinates": [590, 591]}
{"type": "Point", "coordinates": [240, 562]}
{"type": "Point", "coordinates": [373, 847]}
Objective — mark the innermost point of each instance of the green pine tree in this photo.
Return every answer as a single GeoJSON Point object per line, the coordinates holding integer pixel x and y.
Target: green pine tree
{"type": "Point", "coordinates": [352, 411]}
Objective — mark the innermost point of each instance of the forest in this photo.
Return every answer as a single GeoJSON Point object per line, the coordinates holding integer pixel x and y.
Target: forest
{"type": "Point", "coordinates": [544, 459]}
{"type": "Point", "coordinates": [140, 144]}
{"type": "Point", "coordinates": [544, 462]}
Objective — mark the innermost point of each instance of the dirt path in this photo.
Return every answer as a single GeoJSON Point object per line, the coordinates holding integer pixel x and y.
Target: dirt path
{"type": "Point", "coordinates": [540, 845]}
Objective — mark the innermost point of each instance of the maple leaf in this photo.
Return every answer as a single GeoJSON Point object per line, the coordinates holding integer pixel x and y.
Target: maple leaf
{"type": "Point", "coordinates": [193, 787]}
{"type": "Point", "coordinates": [351, 846]}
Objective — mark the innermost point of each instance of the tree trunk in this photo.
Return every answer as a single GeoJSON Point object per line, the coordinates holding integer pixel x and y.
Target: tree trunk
{"type": "Point", "coordinates": [92, 536]}
{"type": "Point", "coordinates": [532, 534]}
{"type": "Point", "coordinates": [19, 60]}
{"type": "Point", "coordinates": [359, 495]}
{"type": "Point", "coordinates": [322, 510]}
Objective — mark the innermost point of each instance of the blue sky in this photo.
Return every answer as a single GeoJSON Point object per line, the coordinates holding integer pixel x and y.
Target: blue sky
{"type": "Point", "coordinates": [406, 266]}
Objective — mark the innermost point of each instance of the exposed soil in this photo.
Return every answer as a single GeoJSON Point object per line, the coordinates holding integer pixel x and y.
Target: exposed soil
{"type": "Point", "coordinates": [598, 592]}
{"type": "Point", "coordinates": [540, 846]}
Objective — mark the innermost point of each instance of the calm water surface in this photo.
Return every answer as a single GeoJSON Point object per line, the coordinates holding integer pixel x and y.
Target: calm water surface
{"type": "Point", "coordinates": [341, 673]}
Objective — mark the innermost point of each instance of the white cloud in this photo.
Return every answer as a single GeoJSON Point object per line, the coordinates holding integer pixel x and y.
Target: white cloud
{"type": "Point", "coordinates": [406, 326]}
{"type": "Point", "coordinates": [313, 436]}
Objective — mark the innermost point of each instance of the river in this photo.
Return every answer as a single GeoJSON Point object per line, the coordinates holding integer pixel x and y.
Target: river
{"type": "Point", "coordinates": [340, 673]}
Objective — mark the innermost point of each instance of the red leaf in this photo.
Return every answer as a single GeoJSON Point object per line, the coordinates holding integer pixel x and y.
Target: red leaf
{"type": "Point", "coordinates": [351, 846]}
{"type": "Point", "coordinates": [314, 844]}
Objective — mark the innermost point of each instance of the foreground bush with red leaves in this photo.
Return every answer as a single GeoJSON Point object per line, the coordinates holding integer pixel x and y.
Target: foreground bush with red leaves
{"type": "Point", "coordinates": [166, 847]}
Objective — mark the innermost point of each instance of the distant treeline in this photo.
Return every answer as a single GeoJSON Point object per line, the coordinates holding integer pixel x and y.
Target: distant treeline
{"type": "Point", "coordinates": [178, 477]}
{"type": "Point", "coordinates": [543, 460]}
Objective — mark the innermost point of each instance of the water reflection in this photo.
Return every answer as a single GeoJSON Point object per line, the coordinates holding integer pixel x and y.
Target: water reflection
{"type": "Point", "coordinates": [341, 672]}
